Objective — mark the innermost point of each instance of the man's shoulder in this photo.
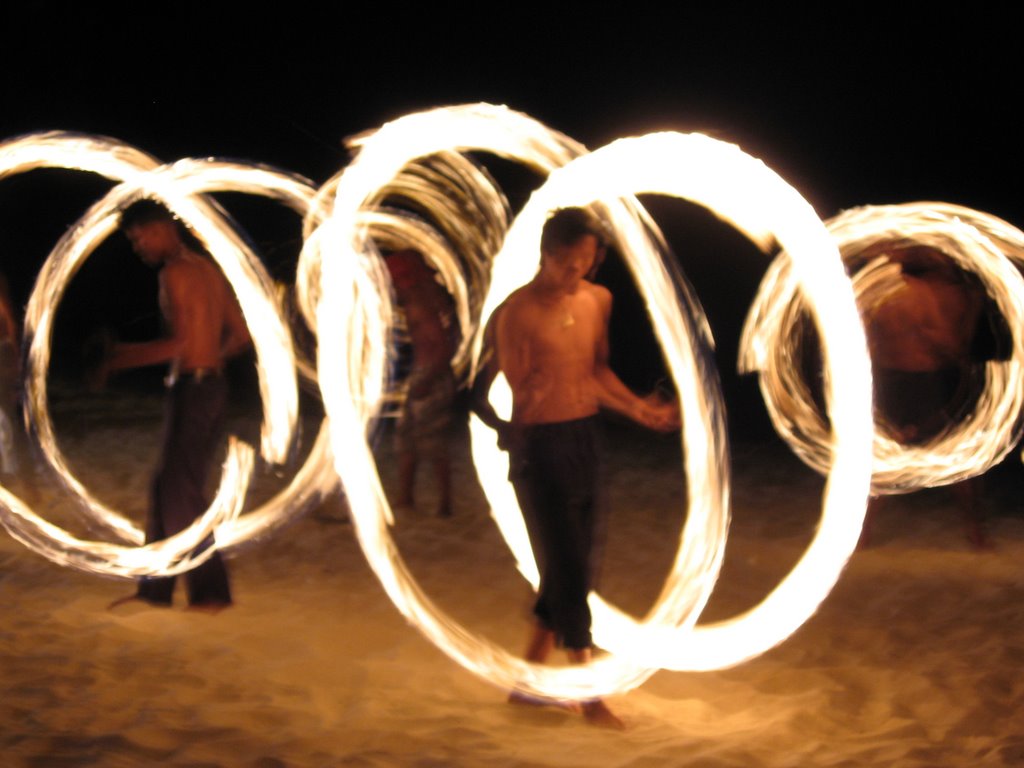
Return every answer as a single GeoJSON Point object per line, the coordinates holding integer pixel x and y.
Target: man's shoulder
{"type": "Point", "coordinates": [516, 315]}
{"type": "Point", "coordinates": [598, 294]}
{"type": "Point", "coordinates": [516, 302]}
{"type": "Point", "coordinates": [195, 266]}
{"type": "Point", "coordinates": [195, 278]}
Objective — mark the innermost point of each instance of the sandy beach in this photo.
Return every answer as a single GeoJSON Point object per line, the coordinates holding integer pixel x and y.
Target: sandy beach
{"type": "Point", "coordinates": [913, 660]}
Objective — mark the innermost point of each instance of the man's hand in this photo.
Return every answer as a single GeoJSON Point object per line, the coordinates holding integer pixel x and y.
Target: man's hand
{"type": "Point", "coordinates": [659, 414]}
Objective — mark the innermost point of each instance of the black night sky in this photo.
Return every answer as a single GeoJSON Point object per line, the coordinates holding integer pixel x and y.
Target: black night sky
{"type": "Point", "coordinates": [852, 105]}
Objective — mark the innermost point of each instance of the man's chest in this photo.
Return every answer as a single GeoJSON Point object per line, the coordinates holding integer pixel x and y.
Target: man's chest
{"type": "Point", "coordinates": [561, 332]}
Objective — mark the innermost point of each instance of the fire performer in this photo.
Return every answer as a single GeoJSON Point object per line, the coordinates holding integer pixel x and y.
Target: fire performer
{"type": "Point", "coordinates": [922, 342]}
{"type": "Point", "coordinates": [205, 328]}
{"type": "Point", "coordinates": [550, 339]}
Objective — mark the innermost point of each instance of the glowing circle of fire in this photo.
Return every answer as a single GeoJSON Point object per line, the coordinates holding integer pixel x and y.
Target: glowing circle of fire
{"type": "Point", "coordinates": [447, 208]}
{"type": "Point", "coordinates": [179, 185]}
{"type": "Point", "coordinates": [744, 192]}
{"type": "Point", "coordinates": [737, 188]}
{"type": "Point", "coordinates": [978, 243]}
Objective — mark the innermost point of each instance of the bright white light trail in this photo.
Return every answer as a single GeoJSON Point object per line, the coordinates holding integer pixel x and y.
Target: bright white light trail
{"type": "Point", "coordinates": [167, 557]}
{"type": "Point", "coordinates": [409, 186]}
{"type": "Point", "coordinates": [179, 186]}
{"type": "Point", "coordinates": [978, 243]}
{"type": "Point", "coordinates": [451, 189]}
{"type": "Point", "coordinates": [744, 192]}
{"type": "Point", "coordinates": [738, 189]}
{"type": "Point", "coordinates": [351, 399]}
{"type": "Point", "coordinates": [464, 220]}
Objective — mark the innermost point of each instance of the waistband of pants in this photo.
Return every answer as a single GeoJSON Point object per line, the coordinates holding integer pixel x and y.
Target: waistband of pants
{"type": "Point", "coordinates": [554, 427]}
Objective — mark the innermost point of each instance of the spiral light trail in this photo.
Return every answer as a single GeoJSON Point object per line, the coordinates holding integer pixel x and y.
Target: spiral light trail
{"type": "Point", "coordinates": [351, 400]}
{"type": "Point", "coordinates": [982, 244]}
{"type": "Point", "coordinates": [412, 185]}
{"type": "Point", "coordinates": [179, 186]}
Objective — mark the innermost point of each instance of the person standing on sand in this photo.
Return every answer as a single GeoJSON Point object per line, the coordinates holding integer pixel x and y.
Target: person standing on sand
{"type": "Point", "coordinates": [550, 340]}
{"type": "Point", "coordinates": [205, 327]}
{"type": "Point", "coordinates": [423, 426]}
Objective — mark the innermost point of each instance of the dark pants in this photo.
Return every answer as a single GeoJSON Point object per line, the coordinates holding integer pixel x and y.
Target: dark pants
{"type": "Point", "coordinates": [557, 473]}
{"type": "Point", "coordinates": [192, 430]}
{"type": "Point", "coordinates": [919, 404]}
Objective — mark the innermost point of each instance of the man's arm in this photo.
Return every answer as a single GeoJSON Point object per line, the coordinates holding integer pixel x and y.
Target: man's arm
{"type": "Point", "coordinates": [485, 377]}
{"type": "Point", "coordinates": [612, 394]}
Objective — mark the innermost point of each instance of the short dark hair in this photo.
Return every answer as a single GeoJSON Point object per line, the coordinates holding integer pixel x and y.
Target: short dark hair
{"type": "Point", "coordinates": [145, 211]}
{"type": "Point", "coordinates": [567, 226]}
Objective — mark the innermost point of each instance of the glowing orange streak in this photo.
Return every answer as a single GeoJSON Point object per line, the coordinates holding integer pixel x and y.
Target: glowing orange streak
{"type": "Point", "coordinates": [978, 243]}
{"type": "Point", "coordinates": [74, 151]}
{"type": "Point", "coordinates": [744, 192]}
{"type": "Point", "coordinates": [173, 184]}
{"type": "Point", "coordinates": [171, 556]}
{"type": "Point", "coordinates": [467, 215]}
{"type": "Point", "coordinates": [349, 405]}
{"type": "Point", "coordinates": [349, 276]}
{"type": "Point", "coordinates": [696, 173]}
{"type": "Point", "coordinates": [67, 257]}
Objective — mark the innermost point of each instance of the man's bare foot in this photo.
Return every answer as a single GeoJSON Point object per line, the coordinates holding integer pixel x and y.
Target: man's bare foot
{"type": "Point", "coordinates": [526, 700]}
{"type": "Point", "coordinates": [135, 599]}
{"type": "Point", "coordinates": [210, 608]}
{"type": "Point", "coordinates": [596, 712]}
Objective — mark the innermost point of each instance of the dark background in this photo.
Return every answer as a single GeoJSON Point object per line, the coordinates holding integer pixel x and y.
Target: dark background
{"type": "Point", "coordinates": [852, 104]}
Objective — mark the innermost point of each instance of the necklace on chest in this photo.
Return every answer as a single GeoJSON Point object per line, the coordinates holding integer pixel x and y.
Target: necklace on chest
{"type": "Point", "coordinates": [560, 312]}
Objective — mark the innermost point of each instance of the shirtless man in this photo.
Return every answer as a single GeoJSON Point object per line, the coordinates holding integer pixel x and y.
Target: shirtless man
{"type": "Point", "coordinates": [926, 327]}
{"type": "Point", "coordinates": [920, 342]}
{"type": "Point", "coordinates": [550, 339]}
{"type": "Point", "coordinates": [205, 328]}
{"type": "Point", "coordinates": [422, 429]}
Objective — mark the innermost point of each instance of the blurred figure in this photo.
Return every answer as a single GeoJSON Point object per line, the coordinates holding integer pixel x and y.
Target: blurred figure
{"type": "Point", "coordinates": [205, 328]}
{"type": "Point", "coordinates": [423, 427]}
{"type": "Point", "coordinates": [920, 343]}
{"type": "Point", "coordinates": [17, 465]}
{"type": "Point", "coordinates": [10, 377]}
{"type": "Point", "coordinates": [920, 339]}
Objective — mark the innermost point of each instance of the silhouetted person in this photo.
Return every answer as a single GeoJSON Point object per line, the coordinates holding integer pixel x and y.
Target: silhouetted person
{"type": "Point", "coordinates": [550, 339]}
{"type": "Point", "coordinates": [424, 425]}
{"type": "Point", "coordinates": [204, 327]}
{"type": "Point", "coordinates": [920, 340]}
{"type": "Point", "coordinates": [17, 464]}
